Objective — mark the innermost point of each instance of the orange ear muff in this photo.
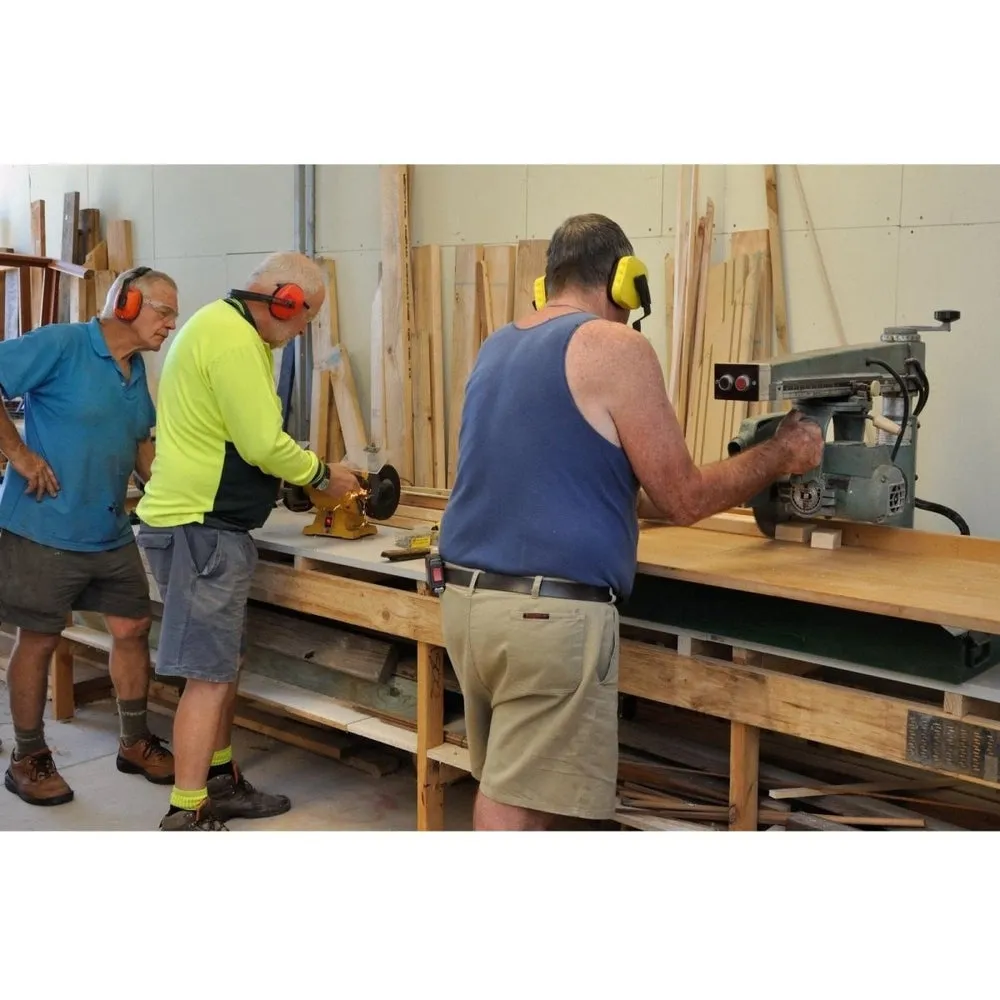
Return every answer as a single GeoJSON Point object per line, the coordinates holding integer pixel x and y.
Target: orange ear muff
{"type": "Point", "coordinates": [128, 305]}
{"type": "Point", "coordinates": [288, 302]}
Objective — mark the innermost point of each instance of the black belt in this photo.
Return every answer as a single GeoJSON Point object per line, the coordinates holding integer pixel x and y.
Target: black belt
{"type": "Point", "coordinates": [525, 585]}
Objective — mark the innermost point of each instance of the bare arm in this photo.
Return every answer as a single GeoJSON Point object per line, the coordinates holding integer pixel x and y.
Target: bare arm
{"type": "Point", "coordinates": [145, 453]}
{"type": "Point", "coordinates": [38, 475]}
{"type": "Point", "coordinates": [674, 488]}
{"type": "Point", "coordinates": [10, 440]}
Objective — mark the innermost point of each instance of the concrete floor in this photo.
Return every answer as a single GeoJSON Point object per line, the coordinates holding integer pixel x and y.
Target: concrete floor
{"type": "Point", "coordinates": [325, 794]}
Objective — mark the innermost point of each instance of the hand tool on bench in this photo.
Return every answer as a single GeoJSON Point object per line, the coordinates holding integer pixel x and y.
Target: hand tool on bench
{"type": "Point", "coordinates": [856, 481]}
{"type": "Point", "coordinates": [377, 497]}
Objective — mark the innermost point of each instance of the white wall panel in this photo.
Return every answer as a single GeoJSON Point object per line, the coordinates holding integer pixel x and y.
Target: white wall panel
{"type": "Point", "coordinates": [955, 267]}
{"type": "Point", "coordinates": [125, 192]}
{"type": "Point", "coordinates": [468, 204]}
{"type": "Point", "coordinates": [214, 210]}
{"type": "Point", "coordinates": [632, 196]}
{"type": "Point", "coordinates": [946, 195]}
{"type": "Point", "coordinates": [51, 184]}
{"type": "Point", "coordinates": [840, 197]}
{"type": "Point", "coordinates": [861, 265]}
{"type": "Point", "coordinates": [15, 213]}
{"type": "Point", "coordinates": [347, 208]}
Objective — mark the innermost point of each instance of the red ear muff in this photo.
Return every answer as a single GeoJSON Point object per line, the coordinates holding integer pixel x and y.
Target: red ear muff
{"type": "Point", "coordinates": [288, 302]}
{"type": "Point", "coordinates": [128, 305]}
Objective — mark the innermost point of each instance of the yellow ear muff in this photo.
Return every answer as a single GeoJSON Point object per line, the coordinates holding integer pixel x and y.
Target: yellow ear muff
{"type": "Point", "coordinates": [622, 286]}
{"type": "Point", "coordinates": [539, 293]}
{"type": "Point", "coordinates": [628, 288]}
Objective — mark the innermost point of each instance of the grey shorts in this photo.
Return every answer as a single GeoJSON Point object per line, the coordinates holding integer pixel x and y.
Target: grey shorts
{"type": "Point", "coordinates": [203, 575]}
{"type": "Point", "coordinates": [40, 586]}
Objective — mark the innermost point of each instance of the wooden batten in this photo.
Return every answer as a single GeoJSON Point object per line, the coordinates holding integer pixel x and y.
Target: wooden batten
{"type": "Point", "coordinates": [345, 397]}
{"type": "Point", "coordinates": [465, 340]}
{"type": "Point", "coordinates": [429, 430]}
{"type": "Point", "coordinates": [500, 269]}
{"type": "Point", "coordinates": [325, 435]}
{"type": "Point", "coordinates": [529, 264]}
{"type": "Point", "coordinates": [397, 318]}
{"type": "Point", "coordinates": [119, 240]}
{"type": "Point", "coordinates": [38, 249]}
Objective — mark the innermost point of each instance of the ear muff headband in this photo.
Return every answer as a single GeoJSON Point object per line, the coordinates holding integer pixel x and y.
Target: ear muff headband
{"type": "Point", "coordinates": [287, 302]}
{"type": "Point", "coordinates": [128, 304]}
{"type": "Point", "coordinates": [628, 288]}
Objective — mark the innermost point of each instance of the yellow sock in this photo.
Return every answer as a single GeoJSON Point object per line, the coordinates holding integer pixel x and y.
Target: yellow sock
{"type": "Point", "coordinates": [222, 756]}
{"type": "Point", "coordinates": [187, 800]}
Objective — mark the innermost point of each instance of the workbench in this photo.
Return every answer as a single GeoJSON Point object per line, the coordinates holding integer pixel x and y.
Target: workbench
{"type": "Point", "coordinates": [949, 729]}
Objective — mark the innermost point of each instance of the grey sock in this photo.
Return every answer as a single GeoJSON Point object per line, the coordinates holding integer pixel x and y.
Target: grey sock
{"type": "Point", "coordinates": [29, 741]}
{"type": "Point", "coordinates": [132, 720]}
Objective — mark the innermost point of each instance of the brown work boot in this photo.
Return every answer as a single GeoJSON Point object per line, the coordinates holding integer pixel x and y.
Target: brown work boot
{"type": "Point", "coordinates": [202, 818]}
{"type": "Point", "coordinates": [35, 780]}
{"type": "Point", "coordinates": [233, 797]}
{"type": "Point", "coordinates": [146, 756]}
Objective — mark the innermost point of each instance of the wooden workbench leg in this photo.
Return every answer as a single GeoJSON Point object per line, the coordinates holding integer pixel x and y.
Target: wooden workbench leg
{"type": "Point", "coordinates": [744, 763]}
{"type": "Point", "coordinates": [61, 672]}
{"type": "Point", "coordinates": [430, 733]}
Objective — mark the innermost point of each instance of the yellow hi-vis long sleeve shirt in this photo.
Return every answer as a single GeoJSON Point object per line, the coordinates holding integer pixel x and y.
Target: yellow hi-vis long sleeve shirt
{"type": "Point", "coordinates": [221, 452]}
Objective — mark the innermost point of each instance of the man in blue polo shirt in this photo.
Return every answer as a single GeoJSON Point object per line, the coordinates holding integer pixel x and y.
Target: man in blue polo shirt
{"type": "Point", "coordinates": [66, 543]}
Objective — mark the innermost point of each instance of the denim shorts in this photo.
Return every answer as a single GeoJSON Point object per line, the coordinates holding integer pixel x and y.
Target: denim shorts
{"type": "Point", "coordinates": [203, 575]}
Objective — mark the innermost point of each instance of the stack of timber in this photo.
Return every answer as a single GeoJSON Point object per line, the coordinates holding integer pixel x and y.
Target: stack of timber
{"type": "Point", "coordinates": [415, 412]}
{"type": "Point", "coordinates": [674, 774]}
{"type": "Point", "coordinates": [726, 311]}
{"type": "Point", "coordinates": [82, 243]}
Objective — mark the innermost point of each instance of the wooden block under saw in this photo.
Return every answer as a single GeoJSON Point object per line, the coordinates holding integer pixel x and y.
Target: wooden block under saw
{"type": "Point", "coordinates": [826, 538]}
{"type": "Point", "coordinates": [793, 531]}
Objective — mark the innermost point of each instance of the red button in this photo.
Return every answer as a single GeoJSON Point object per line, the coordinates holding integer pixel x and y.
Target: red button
{"type": "Point", "coordinates": [742, 383]}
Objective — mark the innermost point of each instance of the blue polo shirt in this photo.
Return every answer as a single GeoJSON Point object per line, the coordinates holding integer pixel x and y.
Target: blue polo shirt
{"type": "Point", "coordinates": [86, 421]}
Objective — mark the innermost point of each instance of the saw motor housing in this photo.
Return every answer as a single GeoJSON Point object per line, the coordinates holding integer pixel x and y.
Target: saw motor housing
{"type": "Point", "coordinates": [377, 497]}
{"type": "Point", "coordinates": [857, 480]}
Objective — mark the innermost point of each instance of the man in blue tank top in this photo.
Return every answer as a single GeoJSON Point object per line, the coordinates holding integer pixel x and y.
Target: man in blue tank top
{"type": "Point", "coordinates": [567, 438]}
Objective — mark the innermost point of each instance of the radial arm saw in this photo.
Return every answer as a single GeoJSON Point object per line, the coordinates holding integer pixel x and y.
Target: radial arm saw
{"type": "Point", "coordinates": [858, 479]}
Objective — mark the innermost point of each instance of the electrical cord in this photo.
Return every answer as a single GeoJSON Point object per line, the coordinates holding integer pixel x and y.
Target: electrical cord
{"type": "Point", "coordinates": [925, 385]}
{"type": "Point", "coordinates": [939, 508]}
{"type": "Point", "coordinates": [906, 402]}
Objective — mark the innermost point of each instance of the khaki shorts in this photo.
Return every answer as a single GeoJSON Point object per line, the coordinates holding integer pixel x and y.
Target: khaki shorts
{"type": "Point", "coordinates": [540, 681]}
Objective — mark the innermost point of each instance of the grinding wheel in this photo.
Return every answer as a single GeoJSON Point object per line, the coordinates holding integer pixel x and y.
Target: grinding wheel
{"type": "Point", "coordinates": [385, 490]}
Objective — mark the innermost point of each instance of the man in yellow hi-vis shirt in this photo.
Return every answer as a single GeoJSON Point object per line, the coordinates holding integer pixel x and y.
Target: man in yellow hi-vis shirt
{"type": "Point", "coordinates": [221, 455]}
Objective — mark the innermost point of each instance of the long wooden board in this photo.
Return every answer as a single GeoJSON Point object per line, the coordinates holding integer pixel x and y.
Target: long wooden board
{"type": "Point", "coordinates": [958, 590]}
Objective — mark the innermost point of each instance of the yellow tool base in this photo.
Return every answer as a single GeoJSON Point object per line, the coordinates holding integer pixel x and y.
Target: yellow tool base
{"type": "Point", "coordinates": [337, 524]}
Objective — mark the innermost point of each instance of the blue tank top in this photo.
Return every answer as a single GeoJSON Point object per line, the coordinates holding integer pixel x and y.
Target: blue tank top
{"type": "Point", "coordinates": [537, 490]}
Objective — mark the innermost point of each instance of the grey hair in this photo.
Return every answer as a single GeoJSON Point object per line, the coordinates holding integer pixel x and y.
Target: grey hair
{"type": "Point", "coordinates": [289, 268]}
{"type": "Point", "coordinates": [583, 251]}
{"type": "Point", "coordinates": [143, 283]}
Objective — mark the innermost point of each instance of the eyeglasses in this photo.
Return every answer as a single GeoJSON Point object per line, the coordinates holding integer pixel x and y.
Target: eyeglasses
{"type": "Point", "coordinates": [162, 310]}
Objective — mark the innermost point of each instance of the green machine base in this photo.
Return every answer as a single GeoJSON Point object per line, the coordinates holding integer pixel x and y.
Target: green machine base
{"type": "Point", "coordinates": [920, 649]}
